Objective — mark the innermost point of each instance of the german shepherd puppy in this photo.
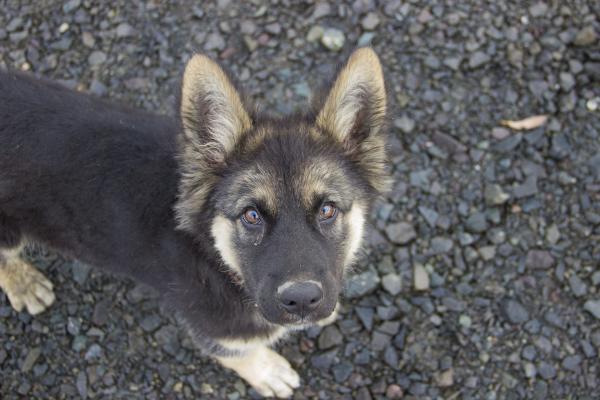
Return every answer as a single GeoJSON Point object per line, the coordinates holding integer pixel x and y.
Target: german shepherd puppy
{"type": "Point", "coordinates": [246, 224]}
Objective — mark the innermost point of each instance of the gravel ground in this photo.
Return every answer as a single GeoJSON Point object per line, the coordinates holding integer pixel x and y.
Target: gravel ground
{"type": "Point", "coordinates": [481, 277]}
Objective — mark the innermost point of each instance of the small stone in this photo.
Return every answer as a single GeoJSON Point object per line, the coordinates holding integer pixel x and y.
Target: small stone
{"type": "Point", "coordinates": [578, 287]}
{"type": "Point", "coordinates": [400, 233]}
{"type": "Point", "coordinates": [370, 21]}
{"type": "Point", "coordinates": [178, 387]}
{"type": "Point", "coordinates": [572, 362]}
{"type": "Point", "coordinates": [97, 57]}
{"type": "Point", "coordinates": [342, 371]}
{"type": "Point", "coordinates": [322, 9]}
{"type": "Point", "coordinates": [420, 277]}
{"type": "Point", "coordinates": [515, 312]}
{"type": "Point", "coordinates": [593, 307]}
{"type": "Point", "coordinates": [538, 9]}
{"type": "Point", "coordinates": [315, 33]}
{"type": "Point", "coordinates": [465, 321]}
{"type": "Point", "coordinates": [214, 41]}
{"type": "Point", "coordinates": [333, 39]}
{"type": "Point", "coordinates": [478, 59]}
{"type": "Point", "coordinates": [93, 353]}
{"type": "Point", "coordinates": [500, 133]}
{"type": "Point", "coordinates": [365, 39]}
{"type": "Point", "coordinates": [530, 370]}
{"type": "Point", "coordinates": [392, 283]}
{"type": "Point", "coordinates": [431, 216]}
{"type": "Point", "coordinates": [73, 326]}
{"type": "Point", "coordinates": [390, 356]}
{"type": "Point", "coordinates": [394, 392]}
{"type": "Point", "coordinates": [88, 39]}
{"type": "Point", "coordinates": [552, 234]}
{"type": "Point", "coordinates": [362, 284]}
{"type": "Point", "coordinates": [405, 124]}
{"type": "Point", "coordinates": [445, 378]}
{"type": "Point", "coordinates": [567, 81]}
{"type": "Point", "coordinates": [476, 223]}
{"type": "Point", "coordinates": [30, 359]}
{"type": "Point", "coordinates": [441, 245]}
{"type": "Point", "coordinates": [487, 253]}
{"type": "Point", "coordinates": [539, 259]}
{"type": "Point", "coordinates": [81, 384]}
{"type": "Point", "coordinates": [494, 195]}
{"type": "Point", "coordinates": [71, 5]}
{"type": "Point", "coordinates": [125, 30]}
{"type": "Point", "coordinates": [330, 337]}
{"type": "Point", "coordinates": [546, 370]}
{"type": "Point", "coordinates": [150, 323]}
{"type": "Point", "coordinates": [586, 37]}
{"type": "Point", "coordinates": [593, 104]}
{"type": "Point", "coordinates": [526, 189]}
{"type": "Point", "coordinates": [365, 314]}
{"type": "Point", "coordinates": [453, 63]}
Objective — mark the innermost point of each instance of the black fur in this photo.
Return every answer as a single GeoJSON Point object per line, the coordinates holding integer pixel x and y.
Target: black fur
{"type": "Point", "coordinates": [98, 182]}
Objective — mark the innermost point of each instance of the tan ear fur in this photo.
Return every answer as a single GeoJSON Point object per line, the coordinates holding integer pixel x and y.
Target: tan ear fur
{"type": "Point", "coordinates": [210, 102]}
{"type": "Point", "coordinates": [360, 84]}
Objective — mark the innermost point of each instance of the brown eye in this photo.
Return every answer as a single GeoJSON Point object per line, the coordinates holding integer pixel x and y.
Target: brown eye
{"type": "Point", "coordinates": [251, 217]}
{"type": "Point", "coordinates": [327, 212]}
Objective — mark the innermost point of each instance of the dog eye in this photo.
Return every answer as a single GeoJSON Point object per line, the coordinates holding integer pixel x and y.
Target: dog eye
{"type": "Point", "coordinates": [251, 217]}
{"type": "Point", "coordinates": [327, 212]}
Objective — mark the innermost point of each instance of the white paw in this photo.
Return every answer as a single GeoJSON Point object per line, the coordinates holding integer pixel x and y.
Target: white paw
{"type": "Point", "coordinates": [266, 371]}
{"type": "Point", "coordinates": [26, 287]}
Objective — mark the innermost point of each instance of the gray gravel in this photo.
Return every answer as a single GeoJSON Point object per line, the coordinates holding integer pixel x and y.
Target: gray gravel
{"type": "Point", "coordinates": [480, 278]}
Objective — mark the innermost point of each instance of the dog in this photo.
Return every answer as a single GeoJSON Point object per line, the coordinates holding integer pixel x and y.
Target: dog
{"type": "Point", "coordinates": [246, 224]}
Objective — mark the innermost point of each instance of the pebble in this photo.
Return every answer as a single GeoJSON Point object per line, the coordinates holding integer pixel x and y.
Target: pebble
{"type": "Point", "coordinates": [125, 30]}
{"type": "Point", "coordinates": [30, 359]}
{"type": "Point", "coordinates": [476, 223]}
{"type": "Point", "coordinates": [420, 277]}
{"type": "Point", "coordinates": [441, 245]}
{"type": "Point", "coordinates": [539, 259]}
{"type": "Point", "coordinates": [478, 59]}
{"type": "Point", "coordinates": [445, 378]}
{"type": "Point", "coordinates": [97, 57]}
{"type": "Point", "coordinates": [333, 39]}
{"type": "Point", "coordinates": [400, 233]}
{"type": "Point", "coordinates": [370, 21]}
{"type": "Point", "coordinates": [214, 41]}
{"type": "Point", "coordinates": [514, 311]}
{"type": "Point", "coordinates": [546, 370]}
{"type": "Point", "coordinates": [394, 392]}
{"type": "Point", "coordinates": [330, 337]}
{"type": "Point", "coordinates": [362, 284]}
{"type": "Point", "coordinates": [578, 287]}
{"type": "Point", "coordinates": [585, 37]}
{"type": "Point", "coordinates": [405, 124]}
{"type": "Point", "coordinates": [593, 307]}
{"type": "Point", "coordinates": [392, 283]}
{"type": "Point", "coordinates": [315, 33]}
{"type": "Point", "coordinates": [538, 9]}
{"type": "Point", "coordinates": [494, 195]}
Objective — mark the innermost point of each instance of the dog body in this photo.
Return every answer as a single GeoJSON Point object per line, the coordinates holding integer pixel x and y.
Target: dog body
{"type": "Point", "coordinates": [245, 224]}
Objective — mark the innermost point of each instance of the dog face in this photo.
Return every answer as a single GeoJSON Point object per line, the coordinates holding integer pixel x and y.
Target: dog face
{"type": "Point", "coordinates": [287, 199]}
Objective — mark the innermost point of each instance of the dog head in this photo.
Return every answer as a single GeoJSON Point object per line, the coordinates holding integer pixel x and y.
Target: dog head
{"type": "Point", "coordinates": [286, 199]}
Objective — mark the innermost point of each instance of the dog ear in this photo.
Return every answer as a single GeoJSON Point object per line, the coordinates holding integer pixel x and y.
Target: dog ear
{"type": "Point", "coordinates": [353, 112]}
{"type": "Point", "coordinates": [212, 111]}
{"type": "Point", "coordinates": [213, 120]}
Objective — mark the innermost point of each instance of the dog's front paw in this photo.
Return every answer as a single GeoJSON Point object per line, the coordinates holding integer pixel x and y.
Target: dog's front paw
{"type": "Point", "coordinates": [266, 371]}
{"type": "Point", "coordinates": [26, 287]}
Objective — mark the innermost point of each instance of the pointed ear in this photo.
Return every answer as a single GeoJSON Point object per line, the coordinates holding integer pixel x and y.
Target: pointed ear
{"type": "Point", "coordinates": [214, 120]}
{"type": "Point", "coordinates": [212, 112]}
{"type": "Point", "coordinates": [354, 114]}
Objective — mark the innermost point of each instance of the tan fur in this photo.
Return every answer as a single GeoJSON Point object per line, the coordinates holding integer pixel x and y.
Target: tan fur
{"type": "Point", "coordinates": [227, 118]}
{"type": "Point", "coordinates": [311, 180]}
{"type": "Point", "coordinates": [359, 87]}
{"type": "Point", "coordinates": [362, 73]}
{"type": "Point", "coordinates": [225, 121]}
{"type": "Point", "coordinates": [24, 285]}
{"type": "Point", "coordinates": [355, 222]}
{"type": "Point", "coordinates": [222, 231]}
{"type": "Point", "coordinates": [268, 372]}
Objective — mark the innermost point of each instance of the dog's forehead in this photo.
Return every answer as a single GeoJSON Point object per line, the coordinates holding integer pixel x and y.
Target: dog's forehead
{"type": "Point", "coordinates": [289, 167]}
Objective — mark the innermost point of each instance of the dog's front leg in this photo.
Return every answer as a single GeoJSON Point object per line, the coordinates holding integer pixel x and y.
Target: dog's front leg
{"type": "Point", "coordinates": [267, 372]}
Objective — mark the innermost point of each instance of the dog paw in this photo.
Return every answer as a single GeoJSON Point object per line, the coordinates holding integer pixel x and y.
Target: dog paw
{"type": "Point", "coordinates": [266, 371]}
{"type": "Point", "coordinates": [26, 287]}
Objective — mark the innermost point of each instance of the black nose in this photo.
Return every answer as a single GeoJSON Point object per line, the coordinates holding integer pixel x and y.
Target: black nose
{"type": "Point", "coordinates": [301, 298]}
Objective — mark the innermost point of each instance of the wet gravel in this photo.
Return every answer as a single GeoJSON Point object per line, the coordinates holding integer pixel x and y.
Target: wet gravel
{"type": "Point", "coordinates": [480, 279]}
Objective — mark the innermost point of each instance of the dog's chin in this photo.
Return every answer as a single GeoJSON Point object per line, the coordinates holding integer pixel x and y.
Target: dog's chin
{"type": "Point", "coordinates": [295, 322]}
